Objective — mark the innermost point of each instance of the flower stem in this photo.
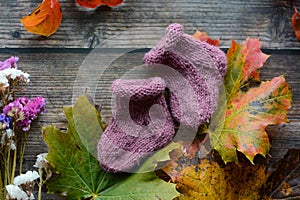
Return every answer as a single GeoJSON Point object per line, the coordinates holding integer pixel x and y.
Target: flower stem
{"type": "Point", "coordinates": [22, 150]}
{"type": "Point", "coordinates": [8, 165]}
{"type": "Point", "coordinates": [2, 190]}
{"type": "Point", "coordinates": [40, 184]}
{"type": "Point", "coordinates": [14, 165]}
{"type": "Point", "coordinates": [5, 174]}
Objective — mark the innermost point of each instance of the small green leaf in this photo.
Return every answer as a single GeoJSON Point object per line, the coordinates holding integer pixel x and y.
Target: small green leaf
{"type": "Point", "coordinates": [162, 155]}
{"type": "Point", "coordinates": [87, 123]}
{"type": "Point", "coordinates": [140, 187]}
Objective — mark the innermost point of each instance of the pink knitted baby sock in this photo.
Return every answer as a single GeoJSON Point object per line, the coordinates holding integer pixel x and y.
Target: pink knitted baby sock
{"type": "Point", "coordinates": [201, 64]}
{"type": "Point", "coordinates": [140, 125]}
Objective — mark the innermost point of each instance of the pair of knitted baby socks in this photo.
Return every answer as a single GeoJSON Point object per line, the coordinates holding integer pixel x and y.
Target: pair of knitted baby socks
{"type": "Point", "coordinates": [142, 122]}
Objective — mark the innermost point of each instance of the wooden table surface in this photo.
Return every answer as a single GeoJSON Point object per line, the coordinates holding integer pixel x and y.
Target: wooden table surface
{"type": "Point", "coordinates": [53, 62]}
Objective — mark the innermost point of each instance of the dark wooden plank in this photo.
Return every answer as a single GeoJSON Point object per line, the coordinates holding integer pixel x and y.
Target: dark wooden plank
{"type": "Point", "coordinates": [141, 23]}
{"type": "Point", "coordinates": [54, 71]}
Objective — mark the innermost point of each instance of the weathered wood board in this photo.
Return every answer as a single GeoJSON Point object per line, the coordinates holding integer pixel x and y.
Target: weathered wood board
{"type": "Point", "coordinates": [141, 23]}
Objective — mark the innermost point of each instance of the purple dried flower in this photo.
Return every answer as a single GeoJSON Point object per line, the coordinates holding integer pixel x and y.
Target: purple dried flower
{"type": "Point", "coordinates": [24, 111]}
{"type": "Point", "coordinates": [9, 63]}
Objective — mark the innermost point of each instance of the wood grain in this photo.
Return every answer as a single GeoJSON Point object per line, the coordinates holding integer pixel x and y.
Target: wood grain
{"type": "Point", "coordinates": [141, 23]}
{"type": "Point", "coordinates": [54, 71]}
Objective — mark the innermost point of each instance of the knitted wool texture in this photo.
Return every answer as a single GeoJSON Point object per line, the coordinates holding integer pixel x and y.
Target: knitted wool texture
{"type": "Point", "coordinates": [140, 125]}
{"type": "Point", "coordinates": [203, 65]}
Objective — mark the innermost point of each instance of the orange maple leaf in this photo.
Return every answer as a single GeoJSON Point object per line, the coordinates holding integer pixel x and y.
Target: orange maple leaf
{"type": "Point", "coordinates": [249, 109]}
{"type": "Point", "coordinates": [203, 37]}
{"type": "Point", "coordinates": [96, 3]}
{"type": "Point", "coordinates": [45, 19]}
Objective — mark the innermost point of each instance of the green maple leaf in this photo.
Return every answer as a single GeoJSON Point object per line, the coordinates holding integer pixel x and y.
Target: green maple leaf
{"type": "Point", "coordinates": [79, 175]}
{"type": "Point", "coordinates": [239, 124]}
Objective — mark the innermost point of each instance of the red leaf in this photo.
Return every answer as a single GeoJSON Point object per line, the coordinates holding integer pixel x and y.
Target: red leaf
{"type": "Point", "coordinates": [202, 36]}
{"type": "Point", "coordinates": [244, 62]}
{"type": "Point", "coordinates": [296, 23]}
{"type": "Point", "coordinates": [96, 3]}
{"type": "Point", "coordinates": [45, 19]}
{"type": "Point", "coordinates": [254, 59]}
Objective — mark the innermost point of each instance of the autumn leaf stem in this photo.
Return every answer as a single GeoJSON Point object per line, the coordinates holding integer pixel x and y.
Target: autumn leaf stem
{"type": "Point", "coordinates": [205, 138]}
{"type": "Point", "coordinates": [295, 6]}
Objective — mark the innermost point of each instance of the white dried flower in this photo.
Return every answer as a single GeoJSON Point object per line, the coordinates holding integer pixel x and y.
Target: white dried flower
{"type": "Point", "coordinates": [12, 73]}
{"type": "Point", "coordinates": [40, 160]}
{"type": "Point", "coordinates": [31, 196]}
{"type": "Point", "coordinates": [30, 176]}
{"type": "Point", "coordinates": [3, 80]}
{"type": "Point", "coordinates": [8, 134]}
{"type": "Point", "coordinates": [13, 145]}
{"type": "Point", "coordinates": [15, 192]}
